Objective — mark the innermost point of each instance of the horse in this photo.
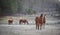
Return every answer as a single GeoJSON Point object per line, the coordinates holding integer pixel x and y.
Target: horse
{"type": "Point", "coordinates": [23, 21]}
{"type": "Point", "coordinates": [10, 21]}
{"type": "Point", "coordinates": [44, 21]}
{"type": "Point", "coordinates": [39, 21]}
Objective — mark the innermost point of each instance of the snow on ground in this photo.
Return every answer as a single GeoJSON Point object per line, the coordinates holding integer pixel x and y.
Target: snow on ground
{"type": "Point", "coordinates": [30, 29]}
{"type": "Point", "coordinates": [30, 18]}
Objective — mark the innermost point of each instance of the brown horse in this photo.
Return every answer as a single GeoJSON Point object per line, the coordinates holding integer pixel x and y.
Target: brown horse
{"type": "Point", "coordinates": [23, 21]}
{"type": "Point", "coordinates": [10, 21]}
{"type": "Point", "coordinates": [39, 22]}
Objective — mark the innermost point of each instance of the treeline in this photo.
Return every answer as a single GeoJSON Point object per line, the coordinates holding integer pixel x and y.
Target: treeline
{"type": "Point", "coordinates": [9, 7]}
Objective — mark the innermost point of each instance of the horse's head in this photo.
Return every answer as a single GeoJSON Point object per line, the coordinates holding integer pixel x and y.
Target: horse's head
{"type": "Point", "coordinates": [41, 15]}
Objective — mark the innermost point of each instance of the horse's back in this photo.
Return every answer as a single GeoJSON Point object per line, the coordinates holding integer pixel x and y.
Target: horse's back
{"type": "Point", "coordinates": [23, 20]}
{"type": "Point", "coordinates": [39, 20]}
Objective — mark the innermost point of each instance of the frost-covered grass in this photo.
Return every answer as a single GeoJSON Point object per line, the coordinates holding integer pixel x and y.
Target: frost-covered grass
{"type": "Point", "coordinates": [30, 18]}
{"type": "Point", "coordinates": [15, 29]}
{"type": "Point", "coordinates": [28, 30]}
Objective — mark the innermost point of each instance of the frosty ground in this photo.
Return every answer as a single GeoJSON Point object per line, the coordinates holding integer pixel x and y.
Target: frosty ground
{"type": "Point", "coordinates": [30, 29]}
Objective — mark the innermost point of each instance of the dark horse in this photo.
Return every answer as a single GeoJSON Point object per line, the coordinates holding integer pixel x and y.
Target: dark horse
{"type": "Point", "coordinates": [39, 21]}
{"type": "Point", "coordinates": [10, 21]}
{"type": "Point", "coordinates": [23, 21]}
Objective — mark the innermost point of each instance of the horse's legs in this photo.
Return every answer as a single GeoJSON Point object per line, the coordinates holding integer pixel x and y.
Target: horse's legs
{"type": "Point", "coordinates": [20, 22]}
{"type": "Point", "coordinates": [38, 26]}
{"type": "Point", "coordinates": [25, 22]}
{"type": "Point", "coordinates": [10, 23]}
{"type": "Point", "coordinates": [43, 25]}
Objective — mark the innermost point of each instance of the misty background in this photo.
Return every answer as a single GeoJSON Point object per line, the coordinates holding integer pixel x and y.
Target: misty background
{"type": "Point", "coordinates": [8, 7]}
{"type": "Point", "coordinates": [30, 7]}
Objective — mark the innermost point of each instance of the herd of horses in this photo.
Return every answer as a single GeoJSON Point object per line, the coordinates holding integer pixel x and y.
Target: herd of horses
{"type": "Point", "coordinates": [10, 21]}
{"type": "Point", "coordinates": [39, 21]}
